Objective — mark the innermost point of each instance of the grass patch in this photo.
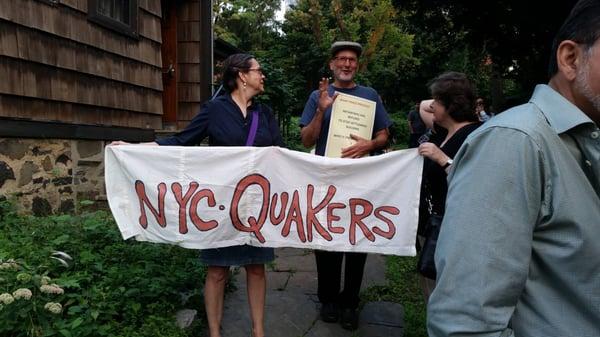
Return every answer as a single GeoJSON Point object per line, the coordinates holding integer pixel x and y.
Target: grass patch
{"type": "Point", "coordinates": [402, 287]}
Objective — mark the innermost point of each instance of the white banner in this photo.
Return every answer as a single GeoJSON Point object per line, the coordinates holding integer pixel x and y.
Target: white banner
{"type": "Point", "coordinates": [210, 197]}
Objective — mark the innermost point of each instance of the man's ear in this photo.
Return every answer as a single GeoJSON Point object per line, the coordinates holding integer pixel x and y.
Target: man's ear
{"type": "Point", "coordinates": [568, 58]}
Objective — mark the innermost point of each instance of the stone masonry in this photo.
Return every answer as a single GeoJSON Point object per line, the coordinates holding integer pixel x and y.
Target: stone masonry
{"type": "Point", "coordinates": [51, 176]}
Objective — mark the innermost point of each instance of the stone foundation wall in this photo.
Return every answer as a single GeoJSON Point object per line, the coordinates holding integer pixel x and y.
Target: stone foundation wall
{"type": "Point", "coordinates": [51, 176]}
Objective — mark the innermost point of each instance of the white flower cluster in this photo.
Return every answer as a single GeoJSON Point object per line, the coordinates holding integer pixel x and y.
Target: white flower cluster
{"type": "Point", "coordinates": [6, 298]}
{"type": "Point", "coordinates": [45, 280]}
{"type": "Point", "coordinates": [9, 265]}
{"type": "Point", "coordinates": [51, 289]}
{"type": "Point", "coordinates": [22, 293]}
{"type": "Point", "coordinates": [53, 307]}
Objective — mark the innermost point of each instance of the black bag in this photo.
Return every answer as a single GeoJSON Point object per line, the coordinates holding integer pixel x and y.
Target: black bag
{"type": "Point", "coordinates": [426, 264]}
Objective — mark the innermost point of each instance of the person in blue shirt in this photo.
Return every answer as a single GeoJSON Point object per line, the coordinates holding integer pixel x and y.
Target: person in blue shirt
{"type": "Point", "coordinates": [227, 121]}
{"type": "Point", "coordinates": [315, 126]}
{"type": "Point", "coordinates": [518, 251]}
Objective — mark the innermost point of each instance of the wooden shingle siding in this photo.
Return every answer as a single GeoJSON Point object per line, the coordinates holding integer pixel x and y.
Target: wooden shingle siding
{"type": "Point", "coordinates": [151, 6]}
{"type": "Point", "coordinates": [69, 24]}
{"type": "Point", "coordinates": [59, 66]}
{"type": "Point", "coordinates": [188, 58]}
{"type": "Point", "coordinates": [186, 112]}
{"type": "Point", "coordinates": [188, 31]}
{"type": "Point", "coordinates": [51, 83]}
{"type": "Point", "coordinates": [189, 72]}
{"type": "Point", "coordinates": [40, 109]}
{"type": "Point", "coordinates": [32, 45]}
{"type": "Point", "coordinates": [149, 26]}
{"type": "Point", "coordinates": [189, 11]}
{"type": "Point", "coordinates": [8, 40]}
{"type": "Point", "coordinates": [80, 5]}
{"type": "Point", "coordinates": [188, 92]}
{"type": "Point", "coordinates": [188, 52]}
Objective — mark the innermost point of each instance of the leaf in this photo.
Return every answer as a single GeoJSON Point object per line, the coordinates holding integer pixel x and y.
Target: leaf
{"type": "Point", "coordinates": [63, 218]}
{"type": "Point", "coordinates": [95, 314]}
{"type": "Point", "coordinates": [86, 256]}
{"type": "Point", "coordinates": [65, 333]}
{"type": "Point", "coordinates": [76, 323]}
{"type": "Point", "coordinates": [74, 309]}
{"type": "Point", "coordinates": [61, 239]}
{"type": "Point", "coordinates": [69, 283]}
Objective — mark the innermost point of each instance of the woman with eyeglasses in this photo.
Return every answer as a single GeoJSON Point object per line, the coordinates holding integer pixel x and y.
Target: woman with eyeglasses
{"type": "Point", "coordinates": [233, 119]}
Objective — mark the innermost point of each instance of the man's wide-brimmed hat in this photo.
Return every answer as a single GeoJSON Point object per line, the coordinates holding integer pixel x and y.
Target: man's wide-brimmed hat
{"type": "Point", "coordinates": [346, 45]}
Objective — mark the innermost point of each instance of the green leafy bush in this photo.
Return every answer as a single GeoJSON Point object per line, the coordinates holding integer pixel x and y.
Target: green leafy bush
{"type": "Point", "coordinates": [111, 287]}
{"type": "Point", "coordinates": [399, 131]}
{"type": "Point", "coordinates": [29, 301]}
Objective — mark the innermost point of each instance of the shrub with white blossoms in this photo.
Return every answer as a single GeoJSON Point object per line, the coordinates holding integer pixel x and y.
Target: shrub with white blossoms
{"type": "Point", "coordinates": [51, 289]}
{"type": "Point", "coordinates": [6, 298]}
{"type": "Point", "coordinates": [22, 293]}
{"type": "Point", "coordinates": [28, 290]}
{"type": "Point", "coordinates": [9, 265]}
{"type": "Point", "coordinates": [53, 307]}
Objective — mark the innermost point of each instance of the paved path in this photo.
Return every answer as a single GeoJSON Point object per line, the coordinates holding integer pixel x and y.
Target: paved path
{"type": "Point", "coordinates": [292, 308]}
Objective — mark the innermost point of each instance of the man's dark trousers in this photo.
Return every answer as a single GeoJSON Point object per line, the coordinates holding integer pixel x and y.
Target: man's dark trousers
{"type": "Point", "coordinates": [329, 268]}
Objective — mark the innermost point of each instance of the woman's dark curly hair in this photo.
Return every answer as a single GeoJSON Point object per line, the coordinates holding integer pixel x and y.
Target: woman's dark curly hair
{"type": "Point", "coordinates": [455, 92]}
{"type": "Point", "coordinates": [232, 66]}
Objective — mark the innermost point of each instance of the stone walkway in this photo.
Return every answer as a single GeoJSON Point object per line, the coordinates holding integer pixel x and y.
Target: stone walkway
{"type": "Point", "coordinates": [292, 308]}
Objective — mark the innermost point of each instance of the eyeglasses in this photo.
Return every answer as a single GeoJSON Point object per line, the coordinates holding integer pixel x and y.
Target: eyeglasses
{"type": "Point", "coordinates": [344, 59]}
{"type": "Point", "coordinates": [259, 70]}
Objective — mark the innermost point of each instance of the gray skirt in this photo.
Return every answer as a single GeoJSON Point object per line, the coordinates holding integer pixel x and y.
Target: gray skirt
{"type": "Point", "coordinates": [237, 256]}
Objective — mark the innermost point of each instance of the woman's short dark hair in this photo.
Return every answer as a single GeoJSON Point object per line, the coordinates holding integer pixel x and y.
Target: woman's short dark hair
{"type": "Point", "coordinates": [581, 26]}
{"type": "Point", "coordinates": [455, 92]}
{"type": "Point", "coordinates": [232, 66]}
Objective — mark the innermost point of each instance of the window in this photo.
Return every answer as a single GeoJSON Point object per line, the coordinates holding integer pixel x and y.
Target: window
{"type": "Point", "coordinates": [118, 15]}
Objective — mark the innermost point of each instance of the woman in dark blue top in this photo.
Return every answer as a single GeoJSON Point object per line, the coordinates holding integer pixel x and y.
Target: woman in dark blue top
{"type": "Point", "coordinates": [227, 121]}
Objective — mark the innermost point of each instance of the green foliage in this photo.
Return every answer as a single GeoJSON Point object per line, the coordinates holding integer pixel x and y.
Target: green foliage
{"type": "Point", "coordinates": [247, 24]}
{"type": "Point", "coordinates": [403, 287]}
{"type": "Point", "coordinates": [399, 131]}
{"type": "Point", "coordinates": [297, 52]}
{"type": "Point", "coordinates": [28, 301]}
{"type": "Point", "coordinates": [292, 139]}
{"type": "Point", "coordinates": [111, 287]}
{"type": "Point", "coordinates": [311, 26]}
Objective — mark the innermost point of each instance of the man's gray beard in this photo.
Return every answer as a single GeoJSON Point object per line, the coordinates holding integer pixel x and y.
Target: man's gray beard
{"type": "Point", "coordinates": [582, 83]}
